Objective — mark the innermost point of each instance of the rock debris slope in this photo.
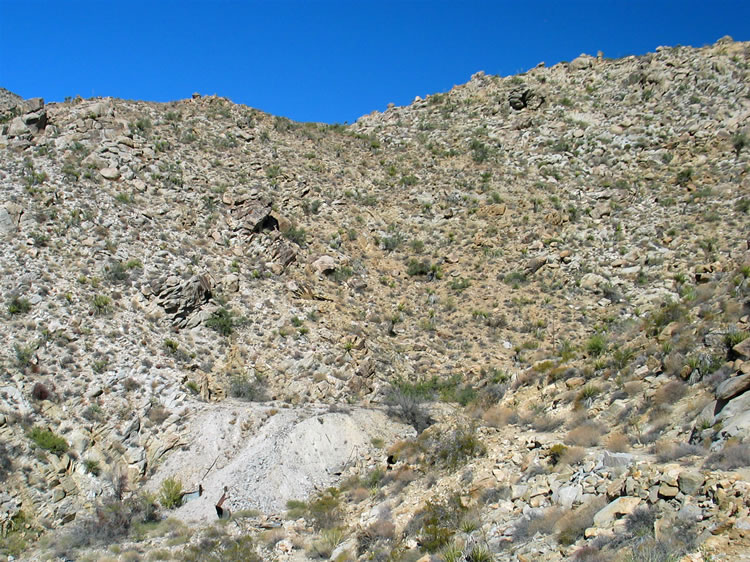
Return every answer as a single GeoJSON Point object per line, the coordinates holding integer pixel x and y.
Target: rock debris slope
{"type": "Point", "coordinates": [546, 276]}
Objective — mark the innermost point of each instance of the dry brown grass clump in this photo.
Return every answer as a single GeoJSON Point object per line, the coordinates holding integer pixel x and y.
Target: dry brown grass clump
{"type": "Point", "coordinates": [586, 435]}
{"type": "Point", "coordinates": [617, 442]}
{"type": "Point", "coordinates": [670, 393]}
{"type": "Point", "coordinates": [499, 416]}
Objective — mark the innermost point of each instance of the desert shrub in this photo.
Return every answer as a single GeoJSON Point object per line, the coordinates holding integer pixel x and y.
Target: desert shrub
{"type": "Point", "coordinates": [668, 452]}
{"type": "Point", "coordinates": [417, 267]}
{"type": "Point", "coordinates": [739, 141]}
{"type": "Point", "coordinates": [515, 278]}
{"type": "Point", "coordinates": [48, 440]}
{"type": "Point", "coordinates": [555, 452]}
{"type": "Point", "coordinates": [578, 520]}
{"type": "Point", "coordinates": [730, 457]}
{"type": "Point", "coordinates": [437, 522]}
{"type": "Point", "coordinates": [102, 305]}
{"type": "Point", "coordinates": [544, 422]}
{"type": "Point", "coordinates": [170, 493]}
{"type": "Point", "coordinates": [296, 234]}
{"type": "Point", "coordinates": [222, 549]}
{"type": "Point", "coordinates": [7, 454]}
{"type": "Point", "coordinates": [596, 345]}
{"type": "Point", "coordinates": [655, 431]}
{"type": "Point", "coordinates": [157, 414]}
{"type": "Point", "coordinates": [246, 388]}
{"type": "Point", "coordinates": [404, 401]}
{"type": "Point", "coordinates": [17, 305]}
{"type": "Point", "coordinates": [479, 553]}
{"type": "Point", "coordinates": [479, 151]}
{"type": "Point", "coordinates": [589, 554]}
{"type": "Point", "coordinates": [670, 393]}
{"type": "Point", "coordinates": [24, 355]}
{"type": "Point", "coordinates": [328, 541]}
{"type": "Point", "coordinates": [586, 396]}
{"type": "Point", "coordinates": [498, 416]}
{"type": "Point", "coordinates": [41, 392]}
{"type": "Point", "coordinates": [572, 456]}
{"type": "Point", "coordinates": [325, 509]}
{"type": "Point", "coordinates": [342, 273]}
{"type": "Point", "coordinates": [221, 321]}
{"type": "Point", "coordinates": [92, 467]}
{"type": "Point", "coordinates": [536, 522]}
{"type": "Point", "coordinates": [491, 394]}
{"type": "Point", "coordinates": [375, 536]}
{"type": "Point", "coordinates": [112, 520]}
{"type": "Point", "coordinates": [494, 495]}
{"type": "Point", "coordinates": [450, 449]}
{"type": "Point", "coordinates": [668, 312]}
{"type": "Point", "coordinates": [116, 272]}
{"type": "Point", "coordinates": [585, 435]}
{"type": "Point", "coordinates": [640, 523]}
{"type": "Point", "coordinates": [617, 442]}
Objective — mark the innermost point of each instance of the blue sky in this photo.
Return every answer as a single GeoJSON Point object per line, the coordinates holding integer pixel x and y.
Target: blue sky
{"type": "Point", "coordinates": [330, 61]}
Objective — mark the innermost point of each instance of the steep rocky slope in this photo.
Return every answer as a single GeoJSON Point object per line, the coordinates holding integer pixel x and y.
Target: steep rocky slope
{"type": "Point", "coordinates": [546, 275]}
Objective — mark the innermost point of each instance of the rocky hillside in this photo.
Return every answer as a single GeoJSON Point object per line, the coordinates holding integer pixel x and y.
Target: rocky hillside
{"type": "Point", "coordinates": [505, 322]}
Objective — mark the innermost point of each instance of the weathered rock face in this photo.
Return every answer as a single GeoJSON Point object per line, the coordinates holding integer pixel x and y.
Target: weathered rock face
{"type": "Point", "coordinates": [182, 299]}
{"type": "Point", "coordinates": [31, 119]}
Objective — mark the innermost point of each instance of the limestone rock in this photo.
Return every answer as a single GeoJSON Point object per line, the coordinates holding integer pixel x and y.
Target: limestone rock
{"type": "Point", "coordinates": [592, 282]}
{"type": "Point", "coordinates": [581, 62]}
{"type": "Point", "coordinates": [732, 387]}
{"type": "Point", "coordinates": [620, 507]}
{"type": "Point", "coordinates": [324, 264]}
{"type": "Point", "coordinates": [181, 299]}
{"type": "Point", "coordinates": [743, 348]}
{"type": "Point", "coordinates": [111, 174]}
{"type": "Point", "coordinates": [690, 482]}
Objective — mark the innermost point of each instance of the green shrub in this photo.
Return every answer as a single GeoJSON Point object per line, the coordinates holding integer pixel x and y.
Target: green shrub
{"type": "Point", "coordinates": [416, 267]}
{"type": "Point", "coordinates": [170, 493]}
{"type": "Point", "coordinates": [451, 449]}
{"type": "Point", "coordinates": [324, 511]}
{"type": "Point", "coordinates": [668, 312]}
{"type": "Point", "coordinates": [515, 278]}
{"type": "Point", "coordinates": [222, 321]}
{"type": "Point", "coordinates": [18, 305]}
{"type": "Point", "coordinates": [341, 274]}
{"type": "Point", "coordinates": [684, 176]}
{"type": "Point", "coordinates": [48, 440]}
{"type": "Point", "coordinates": [733, 337]}
{"type": "Point", "coordinates": [222, 549]}
{"type": "Point", "coordinates": [296, 235]}
{"type": "Point", "coordinates": [459, 284]}
{"type": "Point", "coordinates": [246, 388]}
{"type": "Point", "coordinates": [24, 354]}
{"type": "Point", "coordinates": [92, 467]}
{"type": "Point", "coordinates": [390, 243]}
{"type": "Point", "coordinates": [556, 452]}
{"type": "Point", "coordinates": [596, 345]}
{"type": "Point", "coordinates": [437, 522]}
{"type": "Point", "coordinates": [102, 305]}
{"type": "Point", "coordinates": [479, 151]}
{"type": "Point", "coordinates": [739, 141]}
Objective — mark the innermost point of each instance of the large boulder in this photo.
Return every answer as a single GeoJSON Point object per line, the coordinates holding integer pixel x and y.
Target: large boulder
{"type": "Point", "coordinates": [182, 299]}
{"type": "Point", "coordinates": [733, 386]}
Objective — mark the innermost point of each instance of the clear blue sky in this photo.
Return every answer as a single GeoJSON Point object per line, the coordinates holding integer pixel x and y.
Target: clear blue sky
{"type": "Point", "coordinates": [330, 61]}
